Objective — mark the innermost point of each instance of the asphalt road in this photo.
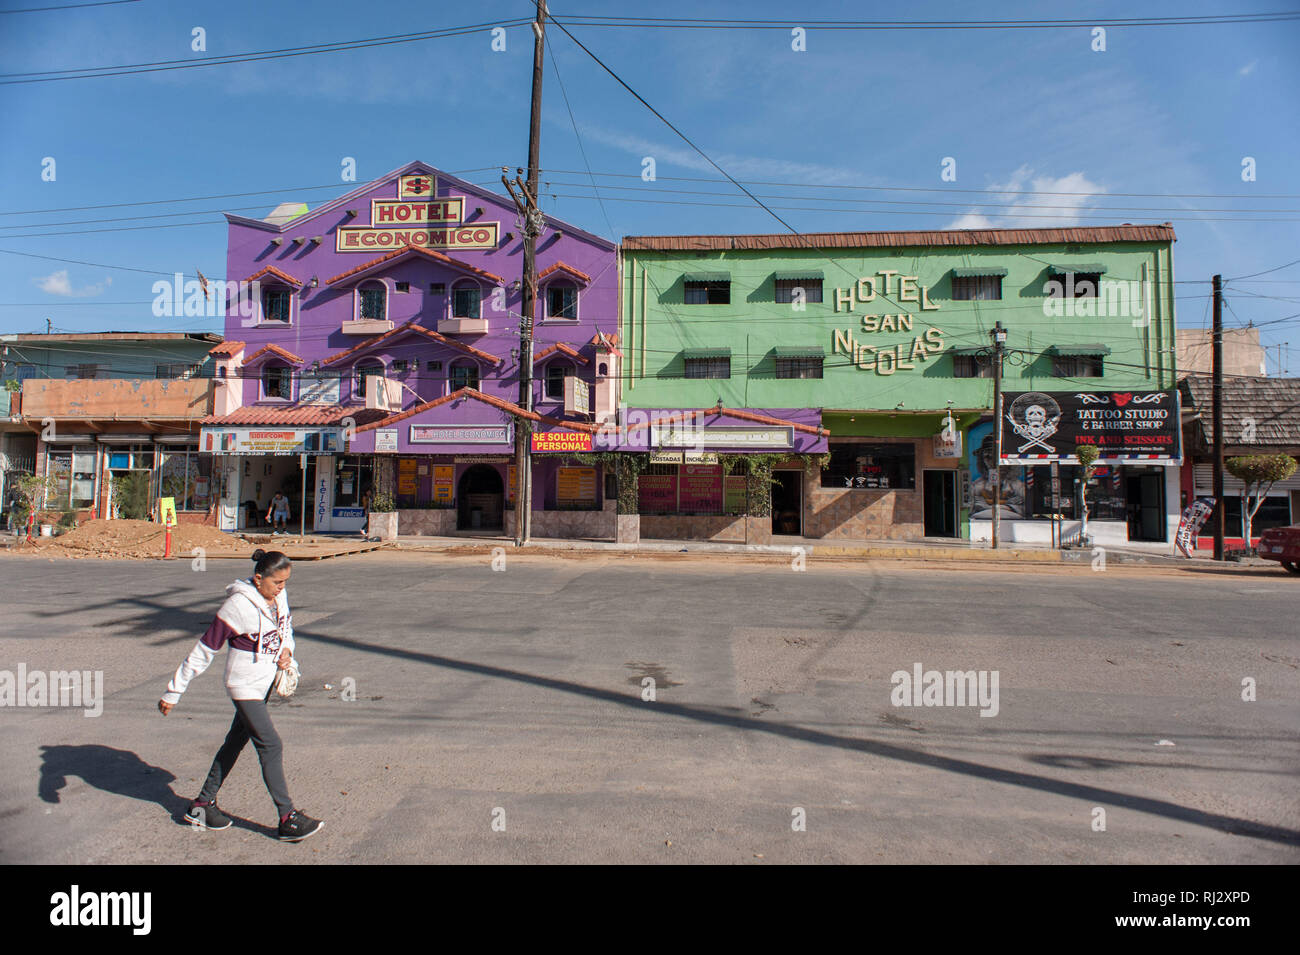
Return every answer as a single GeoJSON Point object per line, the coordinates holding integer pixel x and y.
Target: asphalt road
{"type": "Point", "coordinates": [515, 697]}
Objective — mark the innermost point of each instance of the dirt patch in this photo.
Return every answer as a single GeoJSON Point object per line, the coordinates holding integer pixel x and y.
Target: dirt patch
{"type": "Point", "coordinates": [122, 538]}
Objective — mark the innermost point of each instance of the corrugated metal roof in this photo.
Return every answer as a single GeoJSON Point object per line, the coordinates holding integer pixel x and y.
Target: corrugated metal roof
{"type": "Point", "coordinates": [707, 277]}
{"type": "Point", "coordinates": [799, 351]}
{"type": "Point", "coordinates": [1083, 268]}
{"type": "Point", "coordinates": [979, 271]}
{"type": "Point", "coordinates": [919, 238]}
{"type": "Point", "coordinates": [718, 351]}
{"type": "Point", "coordinates": [1092, 348]}
{"type": "Point", "coordinates": [799, 275]}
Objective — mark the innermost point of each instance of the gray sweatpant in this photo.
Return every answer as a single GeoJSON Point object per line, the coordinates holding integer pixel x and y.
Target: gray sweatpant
{"type": "Point", "coordinates": [252, 721]}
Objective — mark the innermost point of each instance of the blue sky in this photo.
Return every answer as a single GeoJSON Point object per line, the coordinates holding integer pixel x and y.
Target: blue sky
{"type": "Point", "coordinates": [1162, 111]}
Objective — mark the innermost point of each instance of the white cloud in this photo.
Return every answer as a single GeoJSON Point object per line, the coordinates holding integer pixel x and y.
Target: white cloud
{"type": "Point", "coordinates": [1248, 68]}
{"type": "Point", "coordinates": [58, 283]}
{"type": "Point", "coordinates": [1028, 201]}
{"type": "Point", "coordinates": [740, 166]}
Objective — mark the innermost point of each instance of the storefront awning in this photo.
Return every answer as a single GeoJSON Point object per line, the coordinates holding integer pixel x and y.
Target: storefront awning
{"type": "Point", "coordinates": [1095, 348]}
{"type": "Point", "coordinates": [978, 271]}
{"type": "Point", "coordinates": [1083, 268]}
{"type": "Point", "coordinates": [707, 277]}
{"type": "Point", "coordinates": [720, 351]}
{"type": "Point", "coordinates": [813, 274]}
{"type": "Point", "coordinates": [799, 351]}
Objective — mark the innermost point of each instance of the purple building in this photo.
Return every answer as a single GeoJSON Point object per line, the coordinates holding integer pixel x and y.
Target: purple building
{"type": "Point", "coordinates": [377, 340]}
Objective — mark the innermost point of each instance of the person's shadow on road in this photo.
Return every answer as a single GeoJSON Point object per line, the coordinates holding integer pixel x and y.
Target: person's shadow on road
{"type": "Point", "coordinates": [121, 772]}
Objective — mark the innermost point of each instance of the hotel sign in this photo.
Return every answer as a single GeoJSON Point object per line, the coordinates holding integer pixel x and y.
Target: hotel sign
{"type": "Point", "coordinates": [675, 436]}
{"type": "Point", "coordinates": [460, 434]}
{"type": "Point", "coordinates": [417, 218]}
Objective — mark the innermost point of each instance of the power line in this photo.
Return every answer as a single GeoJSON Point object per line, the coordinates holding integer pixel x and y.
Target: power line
{"type": "Point", "coordinates": [1265, 272]}
{"type": "Point", "coordinates": [69, 6]}
{"type": "Point", "coordinates": [133, 69]}
{"type": "Point", "coordinates": [699, 23]}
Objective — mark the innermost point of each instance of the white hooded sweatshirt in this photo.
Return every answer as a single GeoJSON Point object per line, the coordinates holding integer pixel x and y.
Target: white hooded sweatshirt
{"type": "Point", "coordinates": [246, 622]}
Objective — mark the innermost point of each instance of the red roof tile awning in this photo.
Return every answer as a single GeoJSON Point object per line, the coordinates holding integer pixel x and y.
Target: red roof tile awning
{"type": "Point", "coordinates": [566, 269]}
{"type": "Point", "coordinates": [269, 350]}
{"type": "Point", "coordinates": [299, 415]}
{"type": "Point", "coordinates": [412, 327]}
{"type": "Point", "coordinates": [563, 349]}
{"type": "Point", "coordinates": [379, 264]}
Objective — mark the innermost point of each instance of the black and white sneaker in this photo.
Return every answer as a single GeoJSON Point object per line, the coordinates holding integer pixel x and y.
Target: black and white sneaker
{"type": "Point", "coordinates": [298, 827]}
{"type": "Point", "coordinates": [207, 816]}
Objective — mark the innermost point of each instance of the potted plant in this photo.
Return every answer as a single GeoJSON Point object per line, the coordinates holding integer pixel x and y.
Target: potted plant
{"type": "Point", "coordinates": [383, 516]}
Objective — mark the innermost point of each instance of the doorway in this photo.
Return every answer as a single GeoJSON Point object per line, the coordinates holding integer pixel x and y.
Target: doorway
{"type": "Point", "coordinates": [787, 503]}
{"type": "Point", "coordinates": [940, 503]}
{"type": "Point", "coordinates": [480, 499]}
{"type": "Point", "coordinates": [1145, 491]}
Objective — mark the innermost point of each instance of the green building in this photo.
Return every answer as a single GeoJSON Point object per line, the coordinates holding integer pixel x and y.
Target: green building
{"type": "Point", "coordinates": [883, 339]}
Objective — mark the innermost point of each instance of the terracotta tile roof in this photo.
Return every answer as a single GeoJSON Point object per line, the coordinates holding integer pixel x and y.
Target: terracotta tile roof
{"type": "Point", "coordinates": [816, 241]}
{"type": "Point", "coordinates": [304, 415]}
{"type": "Point", "coordinates": [1272, 403]}
{"type": "Point", "coordinates": [226, 348]}
{"type": "Point", "coordinates": [607, 342]}
{"type": "Point", "coordinates": [274, 350]}
{"type": "Point", "coordinates": [431, 254]}
{"type": "Point", "coordinates": [273, 271]}
{"type": "Point", "coordinates": [495, 402]}
{"type": "Point", "coordinates": [560, 347]}
{"type": "Point", "coordinates": [732, 413]}
{"type": "Point", "coordinates": [412, 326]}
{"type": "Point", "coordinates": [568, 269]}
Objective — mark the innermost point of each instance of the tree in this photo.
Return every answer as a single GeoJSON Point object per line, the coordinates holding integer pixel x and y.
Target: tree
{"type": "Point", "coordinates": [33, 490]}
{"type": "Point", "coordinates": [1258, 472]}
{"type": "Point", "coordinates": [1087, 455]}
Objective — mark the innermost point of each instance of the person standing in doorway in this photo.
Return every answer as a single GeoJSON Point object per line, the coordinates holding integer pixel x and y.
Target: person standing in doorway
{"type": "Point", "coordinates": [366, 500]}
{"type": "Point", "coordinates": [280, 508]}
{"type": "Point", "coordinates": [256, 624]}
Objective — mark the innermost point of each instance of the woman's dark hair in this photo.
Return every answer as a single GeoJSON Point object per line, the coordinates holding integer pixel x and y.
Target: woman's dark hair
{"type": "Point", "coordinates": [269, 562]}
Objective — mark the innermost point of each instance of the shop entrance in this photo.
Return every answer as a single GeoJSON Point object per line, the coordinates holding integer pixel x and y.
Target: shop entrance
{"type": "Point", "coordinates": [1146, 506]}
{"type": "Point", "coordinates": [787, 502]}
{"type": "Point", "coordinates": [480, 499]}
{"type": "Point", "coordinates": [940, 503]}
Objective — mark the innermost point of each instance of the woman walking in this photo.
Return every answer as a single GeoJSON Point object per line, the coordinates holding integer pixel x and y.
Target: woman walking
{"type": "Point", "coordinates": [256, 623]}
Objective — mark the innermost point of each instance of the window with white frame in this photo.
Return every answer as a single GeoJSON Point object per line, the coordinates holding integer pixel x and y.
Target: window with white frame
{"type": "Point", "coordinates": [277, 382]}
{"type": "Point", "coordinates": [372, 302]}
{"type": "Point", "coordinates": [360, 371]}
{"type": "Point", "coordinates": [73, 470]}
{"type": "Point", "coordinates": [466, 299]}
{"type": "Point", "coordinates": [463, 374]}
{"type": "Point", "coordinates": [562, 300]}
{"type": "Point", "coordinates": [556, 372]}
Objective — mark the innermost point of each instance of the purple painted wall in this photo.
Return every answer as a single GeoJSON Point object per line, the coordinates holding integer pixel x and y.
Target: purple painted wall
{"type": "Point", "coordinates": [315, 331]}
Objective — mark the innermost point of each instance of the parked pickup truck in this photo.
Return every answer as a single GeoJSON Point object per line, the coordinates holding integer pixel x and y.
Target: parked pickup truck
{"type": "Point", "coordinates": [1281, 544]}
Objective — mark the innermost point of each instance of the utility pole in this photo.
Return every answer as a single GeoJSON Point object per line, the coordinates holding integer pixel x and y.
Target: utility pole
{"type": "Point", "coordinates": [1219, 504]}
{"type": "Point", "coordinates": [999, 336]}
{"type": "Point", "coordinates": [531, 214]}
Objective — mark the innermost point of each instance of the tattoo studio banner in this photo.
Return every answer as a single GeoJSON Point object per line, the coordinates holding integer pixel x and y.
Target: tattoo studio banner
{"type": "Point", "coordinates": [1124, 426]}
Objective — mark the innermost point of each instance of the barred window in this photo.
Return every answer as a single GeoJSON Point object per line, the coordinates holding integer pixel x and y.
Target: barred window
{"type": "Point", "coordinates": [372, 303]}
{"type": "Point", "coordinates": [799, 368]}
{"type": "Point", "coordinates": [275, 305]}
{"type": "Point", "coordinates": [466, 301]}
{"type": "Point", "coordinates": [277, 382]}
{"type": "Point", "coordinates": [972, 366]}
{"type": "Point", "coordinates": [1077, 366]}
{"type": "Point", "coordinates": [1075, 285]}
{"type": "Point", "coordinates": [968, 288]}
{"type": "Point", "coordinates": [708, 293]}
{"type": "Point", "coordinates": [785, 288]}
{"type": "Point", "coordinates": [708, 367]}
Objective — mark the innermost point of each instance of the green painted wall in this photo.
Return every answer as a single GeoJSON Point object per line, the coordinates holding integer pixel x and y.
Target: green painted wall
{"type": "Point", "coordinates": [753, 324]}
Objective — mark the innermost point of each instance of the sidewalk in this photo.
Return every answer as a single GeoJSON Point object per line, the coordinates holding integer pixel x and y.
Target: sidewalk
{"type": "Point", "coordinates": [931, 549]}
